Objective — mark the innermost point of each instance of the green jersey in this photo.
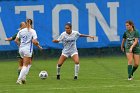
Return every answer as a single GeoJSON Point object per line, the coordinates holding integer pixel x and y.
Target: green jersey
{"type": "Point", "coordinates": [130, 38]}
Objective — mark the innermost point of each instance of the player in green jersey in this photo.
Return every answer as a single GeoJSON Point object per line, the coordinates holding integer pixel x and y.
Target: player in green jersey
{"type": "Point", "coordinates": [20, 60]}
{"type": "Point", "coordinates": [131, 46]}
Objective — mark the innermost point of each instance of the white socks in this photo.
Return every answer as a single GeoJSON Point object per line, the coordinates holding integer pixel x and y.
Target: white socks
{"type": "Point", "coordinates": [76, 69]}
{"type": "Point", "coordinates": [28, 69]}
{"type": "Point", "coordinates": [23, 72]}
{"type": "Point", "coordinates": [58, 70]}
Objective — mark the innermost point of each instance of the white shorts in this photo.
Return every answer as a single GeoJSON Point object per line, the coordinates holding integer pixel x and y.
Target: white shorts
{"type": "Point", "coordinates": [25, 53]}
{"type": "Point", "coordinates": [69, 54]}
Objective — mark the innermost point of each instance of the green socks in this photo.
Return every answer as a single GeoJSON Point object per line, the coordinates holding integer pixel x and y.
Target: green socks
{"type": "Point", "coordinates": [134, 69]}
{"type": "Point", "coordinates": [129, 71]}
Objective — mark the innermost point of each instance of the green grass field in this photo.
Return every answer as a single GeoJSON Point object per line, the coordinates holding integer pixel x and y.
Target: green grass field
{"type": "Point", "coordinates": [97, 75]}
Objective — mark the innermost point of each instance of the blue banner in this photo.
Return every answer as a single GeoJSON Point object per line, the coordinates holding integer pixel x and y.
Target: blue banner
{"type": "Point", "coordinates": [104, 19]}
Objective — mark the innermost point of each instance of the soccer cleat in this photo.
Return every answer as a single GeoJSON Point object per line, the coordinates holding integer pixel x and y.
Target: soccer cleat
{"type": "Point", "coordinates": [23, 81]}
{"type": "Point", "coordinates": [19, 82]}
{"type": "Point", "coordinates": [58, 77]}
{"type": "Point", "coordinates": [75, 78]}
{"type": "Point", "coordinates": [130, 79]}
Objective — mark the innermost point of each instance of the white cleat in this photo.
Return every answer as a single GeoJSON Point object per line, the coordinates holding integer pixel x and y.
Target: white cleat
{"type": "Point", "coordinates": [130, 79]}
{"type": "Point", "coordinates": [24, 80]}
{"type": "Point", "coordinates": [19, 82]}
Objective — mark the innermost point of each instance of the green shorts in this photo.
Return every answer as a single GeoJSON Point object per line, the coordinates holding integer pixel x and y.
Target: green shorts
{"type": "Point", "coordinates": [18, 55]}
{"type": "Point", "coordinates": [136, 50]}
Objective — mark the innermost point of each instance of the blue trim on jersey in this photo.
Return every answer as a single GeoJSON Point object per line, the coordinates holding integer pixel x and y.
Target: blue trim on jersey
{"type": "Point", "coordinates": [31, 47]}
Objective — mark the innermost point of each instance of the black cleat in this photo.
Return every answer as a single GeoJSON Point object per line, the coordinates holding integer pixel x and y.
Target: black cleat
{"type": "Point", "coordinates": [58, 77]}
{"type": "Point", "coordinates": [23, 81]}
{"type": "Point", "coordinates": [75, 78]}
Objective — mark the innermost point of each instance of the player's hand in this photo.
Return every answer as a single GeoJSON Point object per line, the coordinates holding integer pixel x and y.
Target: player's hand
{"type": "Point", "coordinates": [92, 37]}
{"type": "Point", "coordinates": [40, 48]}
{"type": "Point", "coordinates": [122, 48]}
{"type": "Point", "coordinates": [6, 39]}
{"type": "Point", "coordinates": [55, 41]}
{"type": "Point", "coordinates": [130, 50]}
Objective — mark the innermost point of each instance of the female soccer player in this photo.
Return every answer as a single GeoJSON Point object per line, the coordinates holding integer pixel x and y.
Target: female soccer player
{"type": "Point", "coordinates": [68, 38]}
{"type": "Point", "coordinates": [22, 25]}
{"type": "Point", "coordinates": [26, 36]}
{"type": "Point", "coordinates": [132, 47]}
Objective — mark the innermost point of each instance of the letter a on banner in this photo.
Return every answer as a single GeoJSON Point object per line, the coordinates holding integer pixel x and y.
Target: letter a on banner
{"type": "Point", "coordinates": [2, 34]}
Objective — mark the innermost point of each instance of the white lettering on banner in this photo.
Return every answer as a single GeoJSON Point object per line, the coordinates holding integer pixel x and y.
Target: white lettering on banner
{"type": "Point", "coordinates": [29, 10]}
{"type": "Point", "coordinates": [55, 18]}
{"type": "Point", "coordinates": [94, 13]}
{"type": "Point", "coordinates": [2, 34]}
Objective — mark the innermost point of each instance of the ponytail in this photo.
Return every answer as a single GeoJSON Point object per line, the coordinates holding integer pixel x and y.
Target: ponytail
{"type": "Point", "coordinates": [29, 24]}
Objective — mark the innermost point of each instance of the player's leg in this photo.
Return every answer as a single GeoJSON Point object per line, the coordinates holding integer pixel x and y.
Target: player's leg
{"type": "Point", "coordinates": [130, 59]}
{"type": "Point", "coordinates": [75, 58]}
{"type": "Point", "coordinates": [26, 61]}
{"type": "Point", "coordinates": [136, 63]}
{"type": "Point", "coordinates": [59, 64]}
{"type": "Point", "coordinates": [20, 60]}
{"type": "Point", "coordinates": [26, 55]}
{"type": "Point", "coordinates": [30, 64]}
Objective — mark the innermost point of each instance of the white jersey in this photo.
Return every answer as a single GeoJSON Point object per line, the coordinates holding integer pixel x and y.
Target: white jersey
{"type": "Point", "coordinates": [69, 41]}
{"type": "Point", "coordinates": [26, 37]}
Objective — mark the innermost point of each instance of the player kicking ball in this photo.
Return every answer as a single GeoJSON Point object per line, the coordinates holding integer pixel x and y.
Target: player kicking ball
{"type": "Point", "coordinates": [68, 38]}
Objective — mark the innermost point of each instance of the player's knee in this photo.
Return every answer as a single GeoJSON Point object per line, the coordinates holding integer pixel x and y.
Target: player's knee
{"type": "Point", "coordinates": [76, 62]}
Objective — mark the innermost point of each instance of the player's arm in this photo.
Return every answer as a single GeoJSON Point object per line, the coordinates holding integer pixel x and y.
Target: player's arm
{"type": "Point", "coordinates": [55, 41]}
{"type": "Point", "coordinates": [17, 41]}
{"type": "Point", "coordinates": [123, 42]}
{"type": "Point", "coordinates": [134, 44]}
{"type": "Point", "coordinates": [83, 35]}
{"type": "Point", "coordinates": [36, 43]}
{"type": "Point", "coordinates": [11, 38]}
{"type": "Point", "coordinates": [136, 41]}
{"type": "Point", "coordinates": [60, 38]}
{"type": "Point", "coordinates": [122, 45]}
{"type": "Point", "coordinates": [8, 39]}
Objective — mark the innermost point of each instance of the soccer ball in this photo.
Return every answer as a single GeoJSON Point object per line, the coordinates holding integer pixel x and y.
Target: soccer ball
{"type": "Point", "coordinates": [43, 74]}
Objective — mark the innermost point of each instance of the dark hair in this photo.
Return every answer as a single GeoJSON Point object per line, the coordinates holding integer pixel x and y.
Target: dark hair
{"type": "Point", "coordinates": [130, 23]}
{"type": "Point", "coordinates": [29, 23]}
{"type": "Point", "coordinates": [68, 24]}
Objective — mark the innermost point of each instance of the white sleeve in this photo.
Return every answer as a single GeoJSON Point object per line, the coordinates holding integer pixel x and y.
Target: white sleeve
{"type": "Point", "coordinates": [78, 34]}
{"type": "Point", "coordinates": [18, 34]}
{"type": "Point", "coordinates": [34, 34]}
{"type": "Point", "coordinates": [60, 38]}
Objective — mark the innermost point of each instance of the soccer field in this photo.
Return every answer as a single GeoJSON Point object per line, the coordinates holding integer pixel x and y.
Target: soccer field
{"type": "Point", "coordinates": [97, 75]}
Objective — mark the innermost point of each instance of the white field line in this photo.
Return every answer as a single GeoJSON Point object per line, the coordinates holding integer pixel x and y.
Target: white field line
{"type": "Point", "coordinates": [69, 88]}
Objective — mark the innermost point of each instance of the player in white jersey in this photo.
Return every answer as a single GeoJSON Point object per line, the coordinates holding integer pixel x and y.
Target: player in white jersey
{"type": "Point", "coordinates": [27, 38]}
{"type": "Point", "coordinates": [68, 38]}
